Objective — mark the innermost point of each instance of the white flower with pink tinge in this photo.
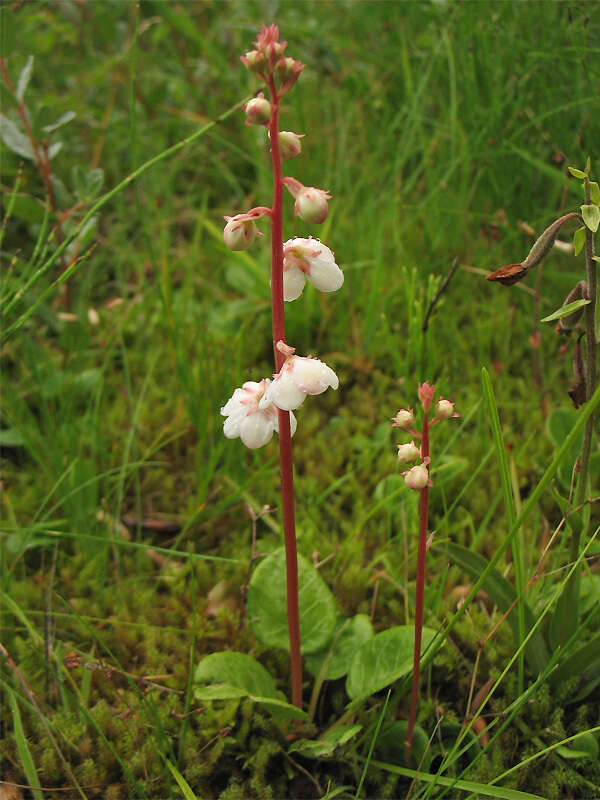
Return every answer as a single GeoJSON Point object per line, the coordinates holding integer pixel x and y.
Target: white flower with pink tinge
{"type": "Point", "coordinates": [309, 259]}
{"type": "Point", "coordinates": [247, 418]}
{"type": "Point", "coordinates": [297, 378]}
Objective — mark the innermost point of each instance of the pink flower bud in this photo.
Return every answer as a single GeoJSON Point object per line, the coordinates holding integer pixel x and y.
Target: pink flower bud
{"type": "Point", "coordinates": [241, 230]}
{"type": "Point", "coordinates": [289, 144]}
{"type": "Point", "coordinates": [311, 203]}
{"type": "Point", "coordinates": [258, 111]}
{"type": "Point", "coordinates": [287, 71]}
{"type": "Point", "coordinates": [404, 419]}
{"type": "Point", "coordinates": [254, 61]}
{"type": "Point", "coordinates": [407, 453]}
{"type": "Point", "coordinates": [426, 393]}
{"type": "Point", "coordinates": [417, 478]}
{"type": "Point", "coordinates": [444, 409]}
{"type": "Point", "coordinates": [239, 235]}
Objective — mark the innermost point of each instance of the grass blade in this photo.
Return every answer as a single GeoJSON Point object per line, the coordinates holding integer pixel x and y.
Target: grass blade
{"type": "Point", "coordinates": [23, 748]}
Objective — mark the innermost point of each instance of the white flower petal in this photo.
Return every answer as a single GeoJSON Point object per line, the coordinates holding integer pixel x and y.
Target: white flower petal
{"type": "Point", "coordinates": [311, 375]}
{"type": "Point", "coordinates": [293, 283]}
{"type": "Point", "coordinates": [324, 273]}
{"type": "Point", "coordinates": [233, 403]}
{"type": "Point", "coordinates": [231, 427]}
{"type": "Point", "coordinates": [293, 423]}
{"type": "Point", "coordinates": [284, 392]}
{"type": "Point", "coordinates": [256, 429]}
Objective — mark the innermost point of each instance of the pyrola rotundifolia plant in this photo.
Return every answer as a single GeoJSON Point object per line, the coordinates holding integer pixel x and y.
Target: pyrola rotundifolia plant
{"type": "Point", "coordinates": [417, 478]}
{"type": "Point", "coordinates": [259, 408]}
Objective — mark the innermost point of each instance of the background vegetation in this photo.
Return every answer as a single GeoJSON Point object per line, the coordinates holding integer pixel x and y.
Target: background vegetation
{"type": "Point", "coordinates": [439, 128]}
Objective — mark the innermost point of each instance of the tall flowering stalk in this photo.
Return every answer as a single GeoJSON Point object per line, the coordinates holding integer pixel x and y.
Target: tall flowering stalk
{"type": "Point", "coordinates": [417, 478]}
{"type": "Point", "coordinates": [257, 409]}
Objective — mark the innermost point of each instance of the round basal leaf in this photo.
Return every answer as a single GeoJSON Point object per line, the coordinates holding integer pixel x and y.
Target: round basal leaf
{"type": "Point", "coordinates": [348, 637]}
{"type": "Point", "coordinates": [390, 746]}
{"type": "Point", "coordinates": [327, 744]}
{"type": "Point", "coordinates": [237, 672]}
{"type": "Point", "coordinates": [383, 659]}
{"type": "Point", "coordinates": [267, 605]}
{"type": "Point", "coordinates": [584, 746]}
{"type": "Point", "coordinates": [219, 691]}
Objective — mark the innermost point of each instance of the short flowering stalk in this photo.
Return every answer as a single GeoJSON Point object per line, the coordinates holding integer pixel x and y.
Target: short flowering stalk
{"type": "Point", "coordinates": [417, 478]}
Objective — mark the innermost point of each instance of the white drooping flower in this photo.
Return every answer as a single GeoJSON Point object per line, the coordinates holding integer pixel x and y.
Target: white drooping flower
{"type": "Point", "coordinates": [417, 478]}
{"type": "Point", "coordinates": [297, 378]}
{"type": "Point", "coordinates": [253, 424]}
{"type": "Point", "coordinates": [309, 259]}
{"type": "Point", "coordinates": [408, 452]}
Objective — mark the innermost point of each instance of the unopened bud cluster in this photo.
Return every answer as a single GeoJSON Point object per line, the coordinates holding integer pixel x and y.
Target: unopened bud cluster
{"type": "Point", "coordinates": [417, 477]}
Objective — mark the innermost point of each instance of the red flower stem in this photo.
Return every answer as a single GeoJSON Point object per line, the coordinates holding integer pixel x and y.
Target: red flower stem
{"type": "Point", "coordinates": [423, 518]}
{"type": "Point", "coordinates": [285, 438]}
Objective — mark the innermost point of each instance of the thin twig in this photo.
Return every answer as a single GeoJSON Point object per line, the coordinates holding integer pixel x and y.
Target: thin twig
{"type": "Point", "coordinates": [439, 293]}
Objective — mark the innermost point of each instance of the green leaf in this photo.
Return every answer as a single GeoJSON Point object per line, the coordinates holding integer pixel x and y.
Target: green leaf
{"type": "Point", "coordinates": [11, 437]}
{"type": "Point", "coordinates": [591, 216]}
{"type": "Point", "coordinates": [326, 745]}
{"type": "Point", "coordinates": [61, 193]}
{"type": "Point", "coordinates": [232, 676]}
{"type": "Point", "coordinates": [23, 747]}
{"type": "Point", "coordinates": [54, 149]}
{"type": "Point", "coordinates": [15, 139]}
{"type": "Point", "coordinates": [336, 658]}
{"type": "Point", "coordinates": [479, 789]}
{"type": "Point", "coordinates": [24, 78]}
{"type": "Point", "coordinates": [595, 193]}
{"type": "Point", "coordinates": [28, 209]}
{"type": "Point", "coordinates": [390, 745]}
{"type": "Point", "coordinates": [62, 120]}
{"type": "Point", "coordinates": [565, 612]}
{"type": "Point", "coordinates": [564, 311]}
{"type": "Point", "coordinates": [95, 180]}
{"type": "Point", "coordinates": [503, 595]}
{"type": "Point", "coordinates": [584, 658]}
{"type": "Point", "coordinates": [584, 746]}
{"type": "Point", "coordinates": [267, 605]}
{"type": "Point", "coordinates": [558, 426]}
{"type": "Point", "coordinates": [235, 671]}
{"type": "Point", "coordinates": [579, 240]}
{"type": "Point", "coordinates": [186, 789]}
{"type": "Point", "coordinates": [383, 659]}
{"type": "Point", "coordinates": [577, 173]}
